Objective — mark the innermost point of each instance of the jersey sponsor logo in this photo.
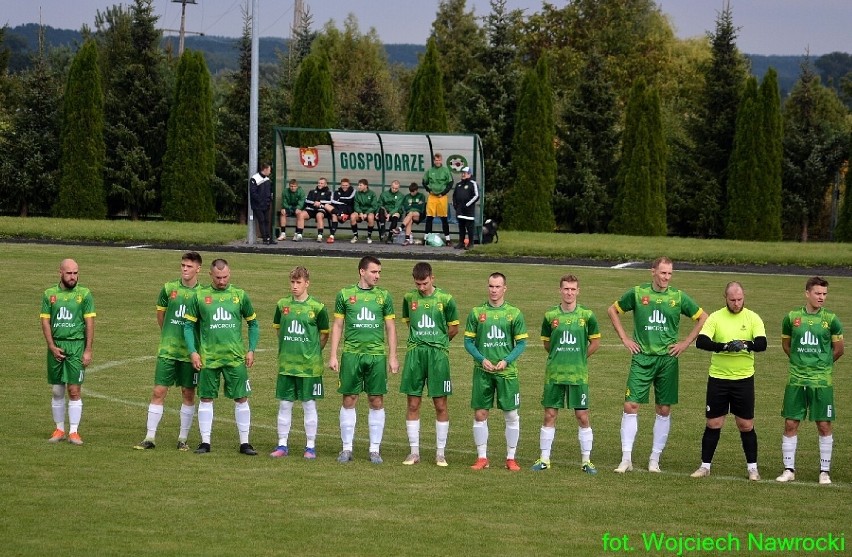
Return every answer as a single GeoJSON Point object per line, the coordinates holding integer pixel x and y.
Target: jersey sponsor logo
{"type": "Point", "coordinates": [64, 315]}
{"type": "Point", "coordinates": [809, 339]}
{"type": "Point", "coordinates": [296, 328]}
{"type": "Point", "coordinates": [646, 300]}
{"type": "Point", "coordinates": [222, 315]}
{"type": "Point", "coordinates": [426, 322]}
{"type": "Point", "coordinates": [366, 319]}
{"type": "Point", "coordinates": [180, 312]}
{"type": "Point", "coordinates": [173, 294]}
{"type": "Point", "coordinates": [567, 338]}
{"type": "Point", "coordinates": [495, 333]}
{"type": "Point", "coordinates": [657, 317]}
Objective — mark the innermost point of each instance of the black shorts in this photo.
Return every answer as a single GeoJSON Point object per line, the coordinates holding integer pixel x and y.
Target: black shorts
{"type": "Point", "coordinates": [312, 212]}
{"type": "Point", "coordinates": [730, 395]}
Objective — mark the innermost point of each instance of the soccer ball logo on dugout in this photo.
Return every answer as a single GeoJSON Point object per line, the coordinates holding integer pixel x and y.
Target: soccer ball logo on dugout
{"type": "Point", "coordinates": [456, 163]}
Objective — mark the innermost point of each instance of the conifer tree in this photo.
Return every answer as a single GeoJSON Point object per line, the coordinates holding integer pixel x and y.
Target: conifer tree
{"type": "Point", "coordinates": [188, 164]}
{"type": "Point", "coordinates": [426, 111]}
{"type": "Point", "coordinates": [713, 131]}
{"type": "Point", "coordinates": [744, 171]}
{"type": "Point", "coordinates": [81, 188]}
{"type": "Point", "coordinates": [640, 204]}
{"type": "Point", "coordinates": [772, 155]}
{"type": "Point", "coordinates": [528, 201]}
{"type": "Point", "coordinates": [313, 101]}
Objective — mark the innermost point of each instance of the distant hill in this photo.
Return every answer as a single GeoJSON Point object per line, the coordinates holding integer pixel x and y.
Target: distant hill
{"type": "Point", "coordinates": [220, 52]}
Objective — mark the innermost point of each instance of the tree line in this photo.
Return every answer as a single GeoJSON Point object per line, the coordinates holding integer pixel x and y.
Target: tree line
{"type": "Point", "coordinates": [593, 116]}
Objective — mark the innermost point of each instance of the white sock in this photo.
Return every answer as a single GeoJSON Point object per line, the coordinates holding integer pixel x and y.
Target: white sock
{"type": "Point", "coordinates": [376, 423]}
{"type": "Point", "coordinates": [788, 451]}
{"type": "Point", "coordinates": [187, 413]}
{"type": "Point", "coordinates": [442, 431]}
{"type": "Point", "coordinates": [662, 425]}
{"type": "Point", "coordinates": [57, 408]}
{"type": "Point", "coordinates": [545, 441]}
{"type": "Point", "coordinates": [75, 413]}
{"type": "Point", "coordinates": [155, 414]}
{"type": "Point", "coordinates": [242, 415]}
{"type": "Point", "coordinates": [629, 428]}
{"type": "Point", "coordinates": [348, 418]}
{"type": "Point", "coordinates": [584, 434]}
{"type": "Point", "coordinates": [480, 438]}
{"type": "Point", "coordinates": [285, 421]}
{"type": "Point", "coordinates": [412, 428]}
{"type": "Point", "coordinates": [513, 432]}
{"type": "Point", "coordinates": [309, 407]}
{"type": "Point", "coordinates": [205, 420]}
{"type": "Point", "coordinates": [825, 445]}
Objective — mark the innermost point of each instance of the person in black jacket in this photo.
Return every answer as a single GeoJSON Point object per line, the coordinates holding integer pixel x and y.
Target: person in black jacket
{"type": "Point", "coordinates": [260, 192]}
{"type": "Point", "coordinates": [465, 196]}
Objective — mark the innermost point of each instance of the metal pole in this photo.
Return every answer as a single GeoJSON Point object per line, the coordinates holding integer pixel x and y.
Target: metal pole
{"type": "Point", "coordinates": [255, 24]}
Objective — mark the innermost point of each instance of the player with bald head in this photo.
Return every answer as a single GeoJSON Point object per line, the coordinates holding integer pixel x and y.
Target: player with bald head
{"type": "Point", "coordinates": [68, 324]}
{"type": "Point", "coordinates": [733, 333]}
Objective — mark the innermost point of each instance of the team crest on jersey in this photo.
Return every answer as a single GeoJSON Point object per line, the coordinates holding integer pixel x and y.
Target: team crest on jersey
{"type": "Point", "coordinates": [286, 310]}
{"type": "Point", "coordinates": [173, 295]}
{"type": "Point", "coordinates": [413, 306]}
{"type": "Point", "coordinates": [52, 300]}
{"type": "Point", "coordinates": [311, 314]}
{"type": "Point", "coordinates": [646, 300]}
{"type": "Point", "coordinates": [208, 300]}
{"type": "Point", "coordinates": [825, 324]}
{"type": "Point", "coordinates": [672, 303]}
{"type": "Point", "coordinates": [582, 322]}
{"type": "Point", "coordinates": [79, 299]}
{"type": "Point", "coordinates": [797, 322]}
{"type": "Point", "coordinates": [554, 323]}
{"type": "Point", "coordinates": [440, 306]}
{"type": "Point", "coordinates": [352, 299]}
{"type": "Point", "coordinates": [308, 157]}
{"type": "Point", "coordinates": [235, 299]}
{"type": "Point", "coordinates": [380, 300]}
{"type": "Point", "coordinates": [482, 317]}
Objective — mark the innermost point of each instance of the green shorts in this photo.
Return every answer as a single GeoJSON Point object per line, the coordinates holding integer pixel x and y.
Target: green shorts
{"type": "Point", "coordinates": [174, 372]}
{"type": "Point", "coordinates": [363, 373]}
{"type": "Point", "coordinates": [660, 371]}
{"type": "Point", "coordinates": [558, 395]}
{"type": "Point", "coordinates": [816, 403]}
{"type": "Point", "coordinates": [236, 382]}
{"type": "Point", "coordinates": [429, 366]}
{"type": "Point", "coordinates": [292, 388]}
{"type": "Point", "coordinates": [70, 370]}
{"type": "Point", "coordinates": [487, 385]}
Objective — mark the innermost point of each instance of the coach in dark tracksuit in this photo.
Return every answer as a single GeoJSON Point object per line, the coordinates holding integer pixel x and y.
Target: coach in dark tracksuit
{"type": "Point", "coordinates": [260, 192]}
{"type": "Point", "coordinates": [465, 196]}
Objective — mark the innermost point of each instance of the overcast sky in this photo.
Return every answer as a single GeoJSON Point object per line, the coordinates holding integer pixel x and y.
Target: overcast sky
{"type": "Point", "coordinates": [765, 26]}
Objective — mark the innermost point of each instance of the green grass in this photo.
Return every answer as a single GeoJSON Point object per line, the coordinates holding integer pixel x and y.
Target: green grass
{"type": "Point", "coordinates": [105, 498]}
{"type": "Point", "coordinates": [512, 244]}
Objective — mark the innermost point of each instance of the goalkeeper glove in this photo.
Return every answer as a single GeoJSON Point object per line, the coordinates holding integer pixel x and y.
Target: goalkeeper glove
{"type": "Point", "coordinates": [734, 346]}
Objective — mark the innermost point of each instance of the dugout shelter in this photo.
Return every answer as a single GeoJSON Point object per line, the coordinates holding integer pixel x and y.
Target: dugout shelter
{"type": "Point", "coordinates": [380, 157]}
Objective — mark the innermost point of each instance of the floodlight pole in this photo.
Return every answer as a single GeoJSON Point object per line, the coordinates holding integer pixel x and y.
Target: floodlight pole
{"type": "Point", "coordinates": [255, 24]}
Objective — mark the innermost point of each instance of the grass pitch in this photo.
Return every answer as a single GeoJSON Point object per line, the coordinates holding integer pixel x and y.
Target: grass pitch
{"type": "Point", "coordinates": [105, 498]}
